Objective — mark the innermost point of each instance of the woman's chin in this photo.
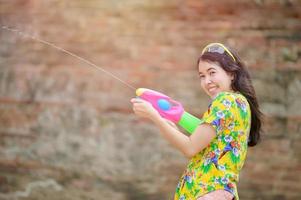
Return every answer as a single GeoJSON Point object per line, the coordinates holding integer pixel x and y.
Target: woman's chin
{"type": "Point", "coordinates": [213, 93]}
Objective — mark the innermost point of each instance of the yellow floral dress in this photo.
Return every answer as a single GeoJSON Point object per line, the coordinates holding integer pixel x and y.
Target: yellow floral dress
{"type": "Point", "coordinates": [217, 166]}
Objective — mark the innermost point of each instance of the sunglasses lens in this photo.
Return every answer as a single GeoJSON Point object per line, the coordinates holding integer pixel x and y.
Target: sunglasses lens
{"type": "Point", "coordinates": [217, 49]}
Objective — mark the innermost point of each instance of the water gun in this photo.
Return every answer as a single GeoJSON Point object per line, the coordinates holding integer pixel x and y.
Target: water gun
{"type": "Point", "coordinates": [169, 109]}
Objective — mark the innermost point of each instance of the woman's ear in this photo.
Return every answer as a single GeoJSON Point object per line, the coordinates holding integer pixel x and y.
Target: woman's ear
{"type": "Point", "coordinates": [233, 76]}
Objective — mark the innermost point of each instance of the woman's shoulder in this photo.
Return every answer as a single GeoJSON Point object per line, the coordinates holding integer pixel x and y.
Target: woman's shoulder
{"type": "Point", "coordinates": [230, 99]}
{"type": "Point", "coordinates": [229, 96]}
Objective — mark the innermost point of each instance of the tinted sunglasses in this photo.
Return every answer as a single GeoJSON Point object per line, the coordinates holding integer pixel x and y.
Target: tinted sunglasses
{"type": "Point", "coordinates": [217, 48]}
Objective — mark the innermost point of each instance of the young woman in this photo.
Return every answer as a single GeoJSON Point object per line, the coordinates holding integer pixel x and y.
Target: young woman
{"type": "Point", "coordinates": [218, 147]}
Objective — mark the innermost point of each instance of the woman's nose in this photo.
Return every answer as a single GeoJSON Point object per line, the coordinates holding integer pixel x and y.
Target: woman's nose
{"type": "Point", "coordinates": [207, 80]}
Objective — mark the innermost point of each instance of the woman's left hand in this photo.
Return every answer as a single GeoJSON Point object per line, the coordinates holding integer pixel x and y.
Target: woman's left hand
{"type": "Point", "coordinates": [144, 109]}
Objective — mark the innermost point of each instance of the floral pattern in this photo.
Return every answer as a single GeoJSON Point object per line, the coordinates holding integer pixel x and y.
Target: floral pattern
{"type": "Point", "coordinates": [217, 166]}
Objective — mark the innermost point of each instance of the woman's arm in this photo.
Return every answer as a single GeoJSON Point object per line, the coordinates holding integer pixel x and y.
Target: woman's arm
{"type": "Point", "coordinates": [189, 146]}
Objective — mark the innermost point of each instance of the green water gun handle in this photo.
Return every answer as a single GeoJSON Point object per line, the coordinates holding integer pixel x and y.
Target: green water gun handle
{"type": "Point", "coordinates": [189, 122]}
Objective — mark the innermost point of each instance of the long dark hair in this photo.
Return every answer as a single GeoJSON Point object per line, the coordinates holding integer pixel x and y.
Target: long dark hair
{"type": "Point", "coordinates": [242, 83]}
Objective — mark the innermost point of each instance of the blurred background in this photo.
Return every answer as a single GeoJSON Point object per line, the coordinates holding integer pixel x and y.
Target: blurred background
{"type": "Point", "coordinates": [67, 130]}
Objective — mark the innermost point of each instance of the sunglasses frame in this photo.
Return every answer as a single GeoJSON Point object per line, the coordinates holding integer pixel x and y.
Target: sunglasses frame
{"type": "Point", "coordinates": [217, 48]}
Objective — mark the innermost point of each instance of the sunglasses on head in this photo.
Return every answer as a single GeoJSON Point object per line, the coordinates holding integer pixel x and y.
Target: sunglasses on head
{"type": "Point", "coordinates": [217, 48]}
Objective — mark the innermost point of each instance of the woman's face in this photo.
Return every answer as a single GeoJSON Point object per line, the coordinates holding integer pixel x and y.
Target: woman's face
{"type": "Point", "coordinates": [214, 79]}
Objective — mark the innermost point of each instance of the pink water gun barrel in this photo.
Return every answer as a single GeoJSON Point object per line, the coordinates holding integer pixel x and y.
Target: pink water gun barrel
{"type": "Point", "coordinates": [169, 109]}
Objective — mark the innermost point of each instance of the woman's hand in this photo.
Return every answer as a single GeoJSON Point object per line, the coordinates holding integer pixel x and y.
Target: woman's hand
{"type": "Point", "coordinates": [144, 109]}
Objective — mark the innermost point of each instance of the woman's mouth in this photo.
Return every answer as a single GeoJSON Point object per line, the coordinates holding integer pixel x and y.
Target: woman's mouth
{"type": "Point", "coordinates": [211, 89]}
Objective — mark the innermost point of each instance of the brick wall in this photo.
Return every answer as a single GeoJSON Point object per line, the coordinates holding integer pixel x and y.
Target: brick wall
{"type": "Point", "coordinates": [67, 130]}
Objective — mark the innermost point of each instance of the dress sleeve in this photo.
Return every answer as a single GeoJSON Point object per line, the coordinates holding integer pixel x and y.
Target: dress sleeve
{"type": "Point", "coordinates": [219, 114]}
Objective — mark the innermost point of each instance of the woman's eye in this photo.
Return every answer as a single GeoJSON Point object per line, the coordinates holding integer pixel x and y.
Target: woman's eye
{"type": "Point", "coordinates": [212, 73]}
{"type": "Point", "coordinates": [202, 76]}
